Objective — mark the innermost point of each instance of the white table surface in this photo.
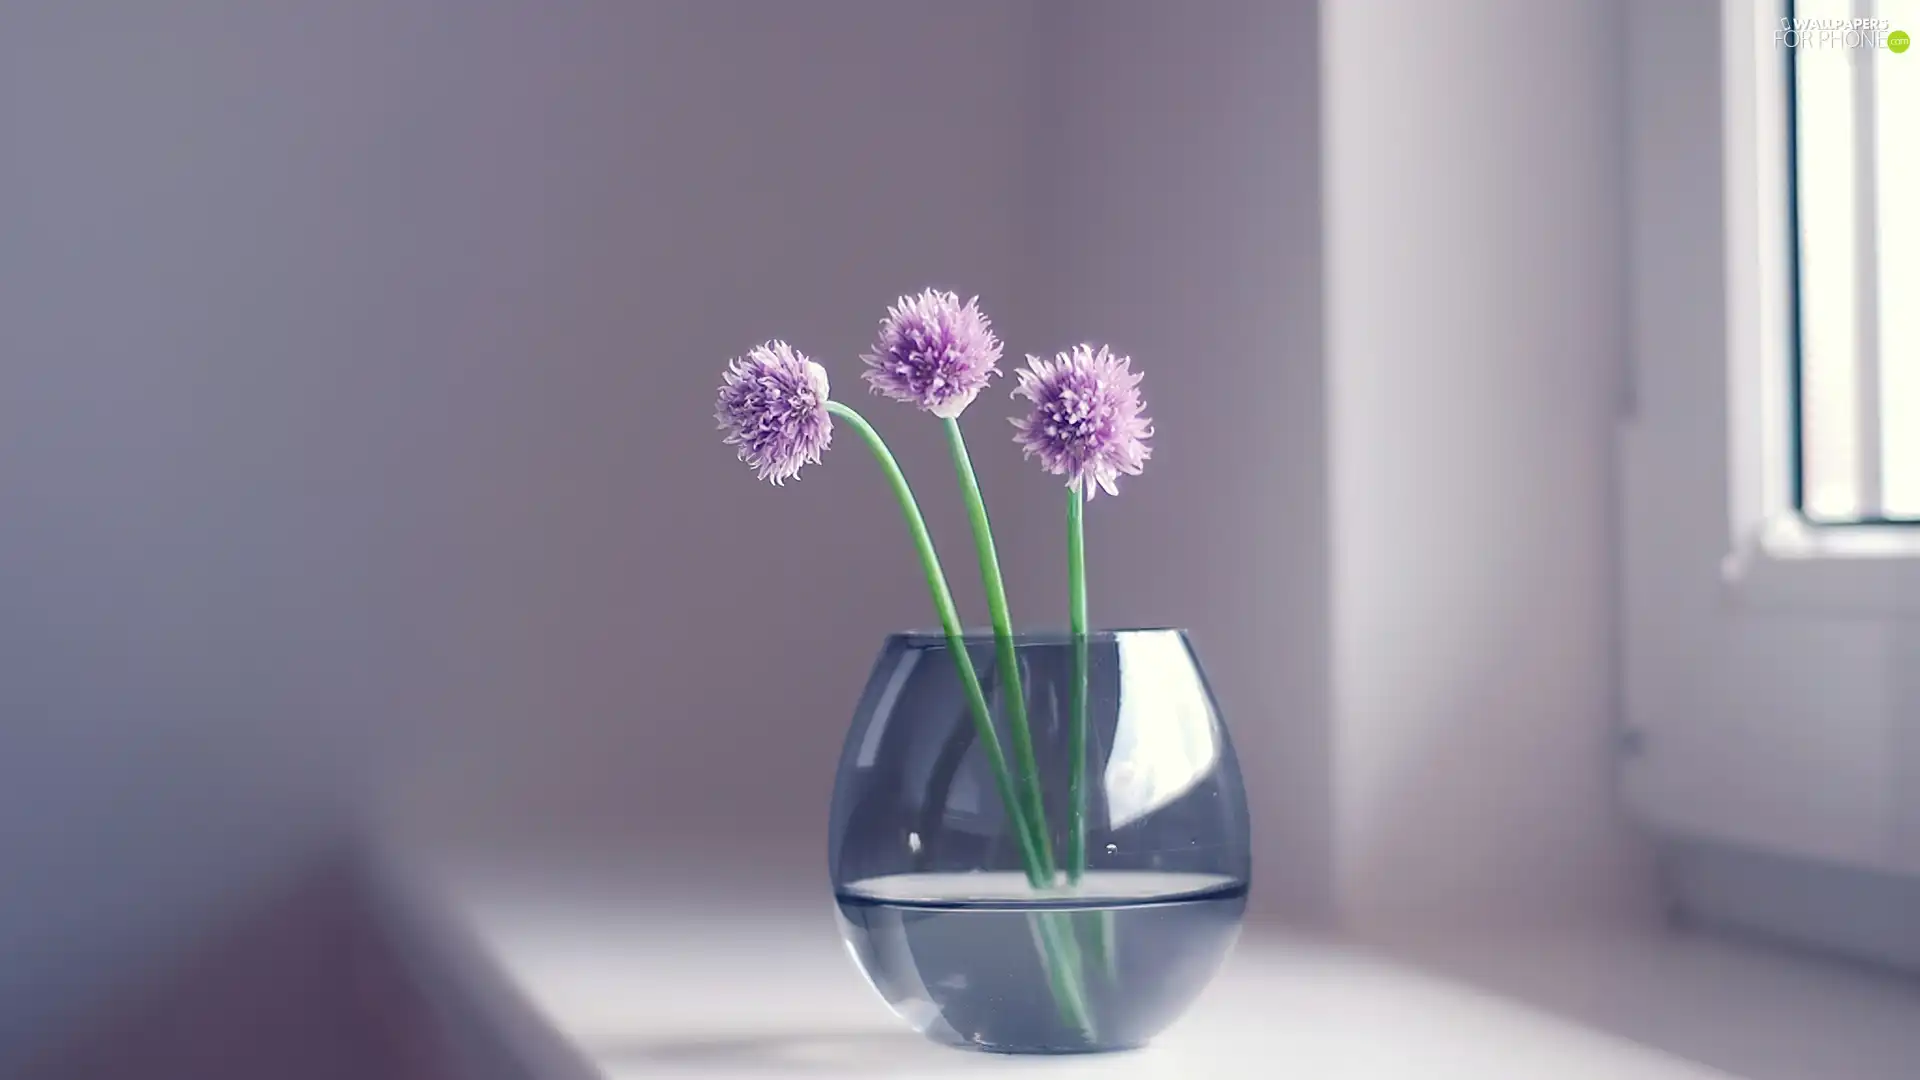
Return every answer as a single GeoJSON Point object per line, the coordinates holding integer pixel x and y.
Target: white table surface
{"type": "Point", "coordinates": [594, 976]}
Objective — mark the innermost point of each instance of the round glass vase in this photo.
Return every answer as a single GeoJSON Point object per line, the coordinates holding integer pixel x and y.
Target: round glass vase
{"type": "Point", "coordinates": [1093, 916]}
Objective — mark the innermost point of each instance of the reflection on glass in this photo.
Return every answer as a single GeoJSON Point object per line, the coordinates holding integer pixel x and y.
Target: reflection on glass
{"type": "Point", "coordinates": [1163, 742]}
{"type": "Point", "coordinates": [883, 712]}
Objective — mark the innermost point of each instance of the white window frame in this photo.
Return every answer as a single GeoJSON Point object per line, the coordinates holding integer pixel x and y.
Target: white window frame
{"type": "Point", "coordinates": [1778, 561]}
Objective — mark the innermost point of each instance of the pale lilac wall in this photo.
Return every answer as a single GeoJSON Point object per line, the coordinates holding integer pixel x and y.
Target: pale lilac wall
{"type": "Point", "coordinates": [356, 445]}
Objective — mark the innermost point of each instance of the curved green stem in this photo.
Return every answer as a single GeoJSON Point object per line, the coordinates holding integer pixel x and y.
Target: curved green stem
{"type": "Point", "coordinates": [1039, 871]}
{"type": "Point", "coordinates": [1028, 777]}
{"type": "Point", "coordinates": [1060, 953]}
{"type": "Point", "coordinates": [1077, 730]}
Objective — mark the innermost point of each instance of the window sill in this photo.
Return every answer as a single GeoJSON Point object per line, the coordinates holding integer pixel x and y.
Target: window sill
{"type": "Point", "coordinates": [1789, 566]}
{"type": "Point", "coordinates": [608, 969]}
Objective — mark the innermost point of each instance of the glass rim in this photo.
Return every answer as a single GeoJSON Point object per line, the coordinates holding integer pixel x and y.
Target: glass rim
{"type": "Point", "coordinates": [1031, 636]}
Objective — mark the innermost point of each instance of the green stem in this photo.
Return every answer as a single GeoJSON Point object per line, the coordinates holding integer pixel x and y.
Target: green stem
{"type": "Point", "coordinates": [1039, 870]}
{"type": "Point", "coordinates": [1060, 955]}
{"type": "Point", "coordinates": [1028, 778]}
{"type": "Point", "coordinates": [1104, 947]}
{"type": "Point", "coordinates": [1077, 730]}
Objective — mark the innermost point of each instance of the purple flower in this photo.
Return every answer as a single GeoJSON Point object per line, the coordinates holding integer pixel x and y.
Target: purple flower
{"type": "Point", "coordinates": [1085, 424]}
{"type": "Point", "coordinates": [934, 353]}
{"type": "Point", "coordinates": [773, 405]}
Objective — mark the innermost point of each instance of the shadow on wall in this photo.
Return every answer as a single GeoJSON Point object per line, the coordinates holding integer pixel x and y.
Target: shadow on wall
{"type": "Point", "coordinates": [305, 984]}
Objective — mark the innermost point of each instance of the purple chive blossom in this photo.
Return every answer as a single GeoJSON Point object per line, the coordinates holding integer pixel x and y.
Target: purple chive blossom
{"type": "Point", "coordinates": [773, 406]}
{"type": "Point", "coordinates": [1085, 424]}
{"type": "Point", "coordinates": [933, 352]}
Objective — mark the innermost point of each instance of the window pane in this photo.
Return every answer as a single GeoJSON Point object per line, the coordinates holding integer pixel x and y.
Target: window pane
{"type": "Point", "coordinates": [1829, 350]}
{"type": "Point", "coordinates": [1896, 109]}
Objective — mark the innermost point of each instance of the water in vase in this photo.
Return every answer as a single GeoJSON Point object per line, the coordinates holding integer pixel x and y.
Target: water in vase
{"type": "Point", "coordinates": [984, 960]}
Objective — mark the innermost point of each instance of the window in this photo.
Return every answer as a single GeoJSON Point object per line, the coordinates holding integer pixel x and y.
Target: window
{"type": "Point", "coordinates": [1856, 208]}
{"type": "Point", "coordinates": [1770, 612]}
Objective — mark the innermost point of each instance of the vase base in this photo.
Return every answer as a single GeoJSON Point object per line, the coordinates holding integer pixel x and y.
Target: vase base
{"type": "Point", "coordinates": [1047, 1051]}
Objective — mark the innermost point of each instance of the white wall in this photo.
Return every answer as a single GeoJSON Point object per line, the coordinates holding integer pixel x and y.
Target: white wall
{"type": "Point", "coordinates": [1475, 311]}
{"type": "Point", "coordinates": [356, 438]}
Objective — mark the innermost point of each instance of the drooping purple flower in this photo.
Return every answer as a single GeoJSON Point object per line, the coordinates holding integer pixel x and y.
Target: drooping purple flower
{"type": "Point", "coordinates": [773, 406]}
{"type": "Point", "coordinates": [1085, 423]}
{"type": "Point", "coordinates": [933, 352]}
